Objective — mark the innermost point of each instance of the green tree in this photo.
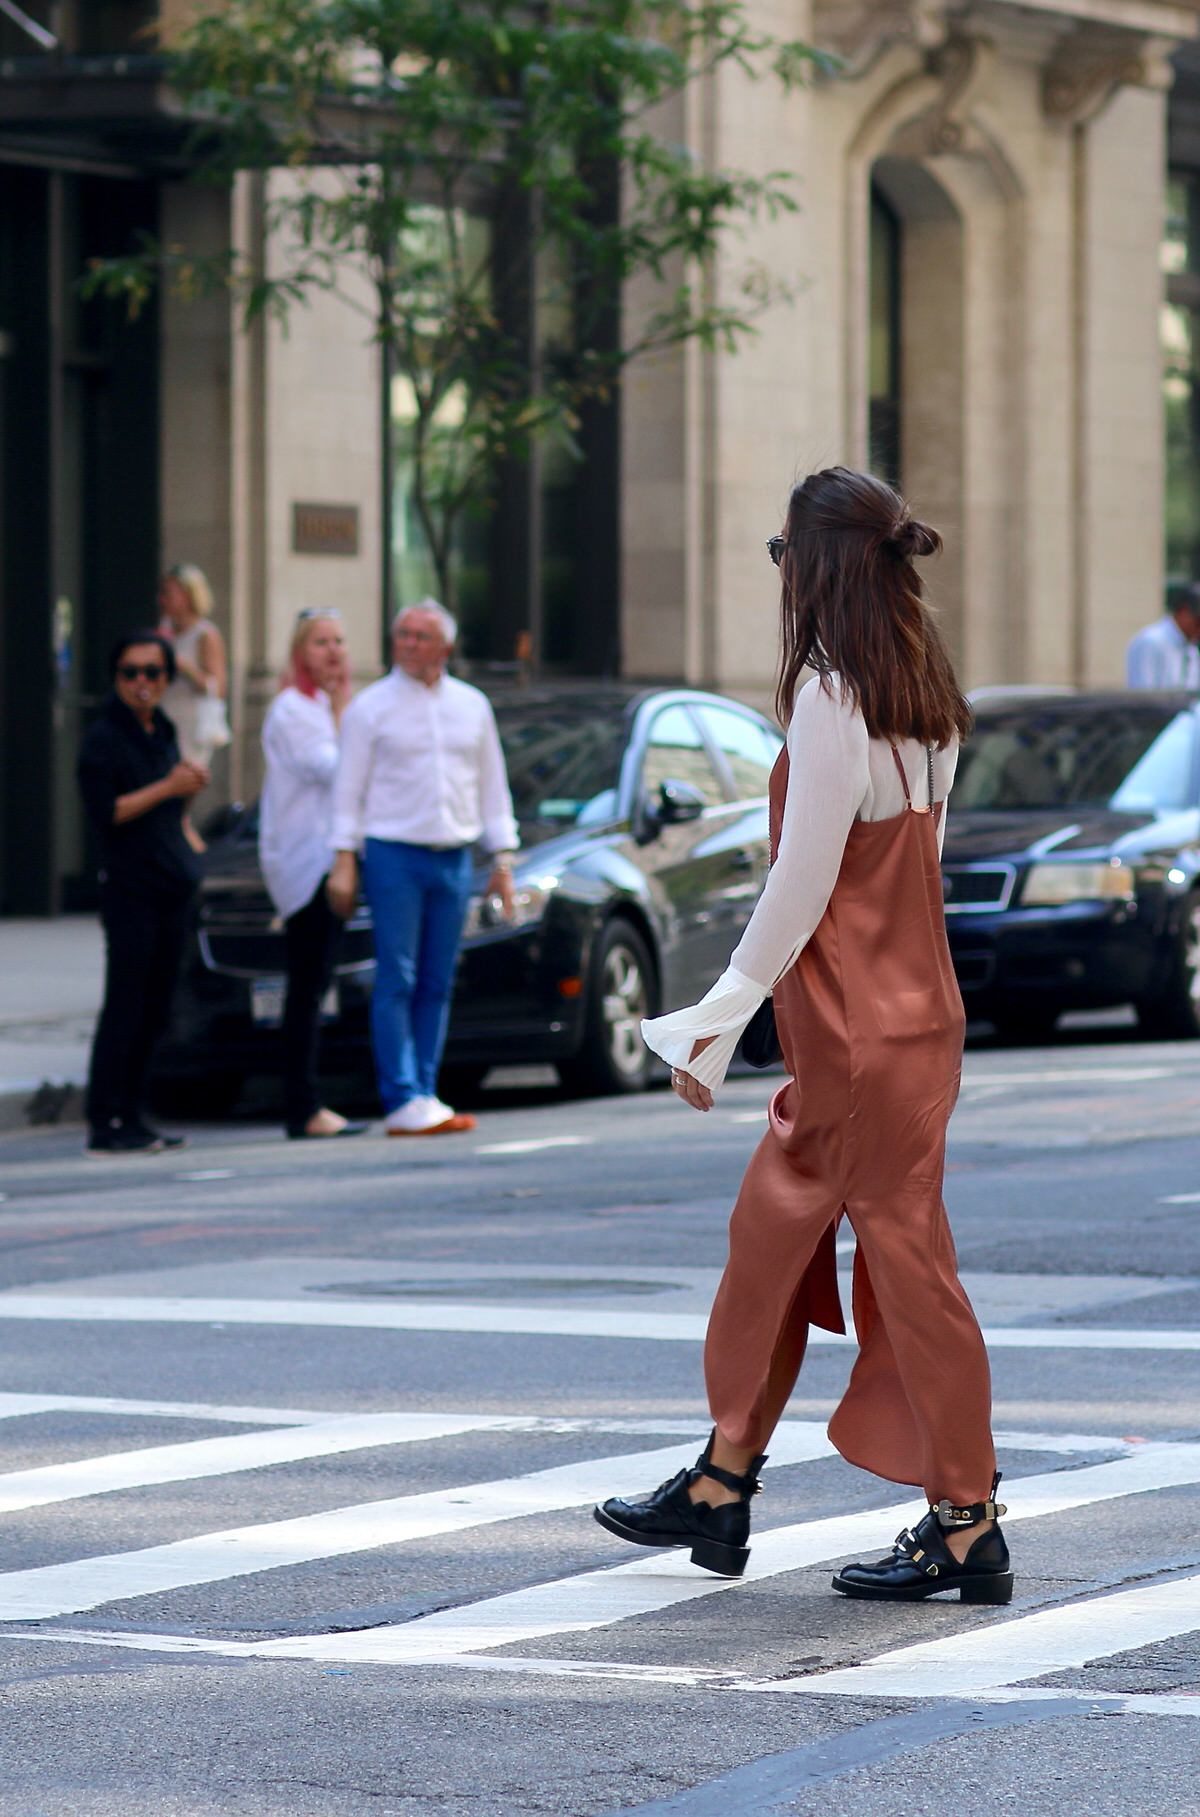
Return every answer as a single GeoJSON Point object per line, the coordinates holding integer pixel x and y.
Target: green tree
{"type": "Point", "coordinates": [399, 123]}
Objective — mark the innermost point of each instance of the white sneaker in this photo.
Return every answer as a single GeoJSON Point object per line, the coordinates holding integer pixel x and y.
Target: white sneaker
{"type": "Point", "coordinates": [427, 1117]}
{"type": "Point", "coordinates": [411, 1118]}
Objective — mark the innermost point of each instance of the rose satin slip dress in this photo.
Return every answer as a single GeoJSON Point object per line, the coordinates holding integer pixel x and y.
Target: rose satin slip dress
{"type": "Point", "coordinates": [871, 1026]}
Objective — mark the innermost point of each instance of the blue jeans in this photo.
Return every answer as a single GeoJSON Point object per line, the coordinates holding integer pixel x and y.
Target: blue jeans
{"type": "Point", "coordinates": [418, 900]}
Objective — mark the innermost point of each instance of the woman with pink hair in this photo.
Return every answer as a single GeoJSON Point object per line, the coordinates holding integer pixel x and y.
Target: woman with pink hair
{"type": "Point", "coordinates": [300, 743]}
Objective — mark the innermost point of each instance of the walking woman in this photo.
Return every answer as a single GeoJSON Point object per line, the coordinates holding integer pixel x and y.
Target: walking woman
{"type": "Point", "coordinates": [849, 937]}
{"type": "Point", "coordinates": [300, 743]}
{"type": "Point", "coordinates": [196, 697]}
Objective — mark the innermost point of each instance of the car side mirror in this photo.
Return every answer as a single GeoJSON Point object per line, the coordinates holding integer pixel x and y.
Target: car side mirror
{"type": "Point", "coordinates": [677, 802]}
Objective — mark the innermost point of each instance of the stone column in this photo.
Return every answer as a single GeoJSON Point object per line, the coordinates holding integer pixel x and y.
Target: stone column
{"type": "Point", "coordinates": [1120, 175]}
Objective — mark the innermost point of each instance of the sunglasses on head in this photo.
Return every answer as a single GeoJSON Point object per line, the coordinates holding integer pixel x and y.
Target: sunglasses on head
{"type": "Point", "coordinates": [303, 617]}
{"type": "Point", "coordinates": [130, 671]}
{"type": "Point", "coordinates": [775, 548]}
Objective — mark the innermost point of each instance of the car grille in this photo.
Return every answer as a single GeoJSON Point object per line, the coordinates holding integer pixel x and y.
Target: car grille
{"type": "Point", "coordinates": [975, 888]}
{"type": "Point", "coordinates": [260, 953]}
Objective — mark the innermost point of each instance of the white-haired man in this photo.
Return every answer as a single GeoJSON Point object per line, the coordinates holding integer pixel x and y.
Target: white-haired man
{"type": "Point", "coordinates": [421, 779]}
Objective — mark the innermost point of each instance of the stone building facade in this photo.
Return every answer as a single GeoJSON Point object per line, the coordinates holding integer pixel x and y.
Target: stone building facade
{"type": "Point", "coordinates": [978, 256]}
{"type": "Point", "coordinates": [977, 264]}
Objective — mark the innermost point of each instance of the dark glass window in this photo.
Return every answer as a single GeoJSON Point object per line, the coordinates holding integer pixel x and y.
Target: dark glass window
{"type": "Point", "coordinates": [1131, 758]}
{"type": "Point", "coordinates": [1181, 375]}
{"type": "Point", "coordinates": [884, 345]}
{"type": "Point", "coordinates": [84, 27]}
{"type": "Point", "coordinates": [749, 749]}
{"type": "Point", "coordinates": [563, 758]}
{"type": "Point", "coordinates": [676, 753]}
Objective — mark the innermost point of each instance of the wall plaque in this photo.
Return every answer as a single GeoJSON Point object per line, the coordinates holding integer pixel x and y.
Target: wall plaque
{"type": "Point", "coordinates": [325, 529]}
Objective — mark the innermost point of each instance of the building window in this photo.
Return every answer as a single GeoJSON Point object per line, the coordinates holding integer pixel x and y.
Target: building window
{"type": "Point", "coordinates": [1181, 375]}
{"type": "Point", "coordinates": [532, 555]}
{"type": "Point", "coordinates": [83, 27]}
{"type": "Point", "coordinates": [883, 428]}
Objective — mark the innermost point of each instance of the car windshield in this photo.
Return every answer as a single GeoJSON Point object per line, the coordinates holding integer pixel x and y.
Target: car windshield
{"type": "Point", "coordinates": [1135, 757]}
{"type": "Point", "coordinates": [564, 758]}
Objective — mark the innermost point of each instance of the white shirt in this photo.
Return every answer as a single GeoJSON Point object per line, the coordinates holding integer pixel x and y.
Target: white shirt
{"type": "Point", "coordinates": [295, 817]}
{"type": "Point", "coordinates": [837, 775]}
{"type": "Point", "coordinates": [423, 765]}
{"type": "Point", "coordinates": [1162, 657]}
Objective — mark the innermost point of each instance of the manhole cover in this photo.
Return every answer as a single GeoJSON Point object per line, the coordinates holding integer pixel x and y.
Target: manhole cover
{"type": "Point", "coordinates": [514, 1288]}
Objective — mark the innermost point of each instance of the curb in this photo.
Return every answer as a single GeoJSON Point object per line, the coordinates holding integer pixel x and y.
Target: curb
{"type": "Point", "coordinates": [27, 1106]}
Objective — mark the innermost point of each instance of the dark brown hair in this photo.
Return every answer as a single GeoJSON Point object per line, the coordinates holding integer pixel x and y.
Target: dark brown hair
{"type": "Point", "coordinates": [853, 605]}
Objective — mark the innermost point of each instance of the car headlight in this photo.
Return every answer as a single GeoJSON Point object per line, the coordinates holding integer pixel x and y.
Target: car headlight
{"type": "Point", "coordinates": [530, 897]}
{"type": "Point", "coordinates": [1052, 885]}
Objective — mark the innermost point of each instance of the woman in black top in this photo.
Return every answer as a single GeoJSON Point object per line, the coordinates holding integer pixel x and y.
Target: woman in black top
{"type": "Point", "coordinates": [135, 788]}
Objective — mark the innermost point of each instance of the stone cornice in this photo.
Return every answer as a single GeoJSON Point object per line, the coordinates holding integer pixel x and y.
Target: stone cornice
{"type": "Point", "coordinates": [1089, 49]}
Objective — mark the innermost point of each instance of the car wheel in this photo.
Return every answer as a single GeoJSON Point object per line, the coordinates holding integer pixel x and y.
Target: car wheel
{"type": "Point", "coordinates": [1021, 1022]}
{"type": "Point", "coordinates": [621, 990]}
{"type": "Point", "coordinates": [1175, 1013]}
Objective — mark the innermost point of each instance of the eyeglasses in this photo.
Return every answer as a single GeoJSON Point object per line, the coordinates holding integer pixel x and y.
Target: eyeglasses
{"type": "Point", "coordinates": [775, 548]}
{"type": "Point", "coordinates": [310, 612]}
{"type": "Point", "coordinates": [152, 671]}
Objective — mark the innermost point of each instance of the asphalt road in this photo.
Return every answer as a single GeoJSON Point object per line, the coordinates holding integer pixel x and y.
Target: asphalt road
{"type": "Point", "coordinates": [299, 1444]}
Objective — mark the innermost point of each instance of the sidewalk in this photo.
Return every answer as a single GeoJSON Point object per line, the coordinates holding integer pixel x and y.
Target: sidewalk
{"type": "Point", "coordinates": [51, 982]}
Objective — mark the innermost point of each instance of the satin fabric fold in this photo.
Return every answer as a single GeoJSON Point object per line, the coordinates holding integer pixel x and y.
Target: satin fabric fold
{"type": "Point", "coordinates": [871, 1025]}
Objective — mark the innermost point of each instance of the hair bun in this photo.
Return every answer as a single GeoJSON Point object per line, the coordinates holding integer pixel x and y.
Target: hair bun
{"type": "Point", "coordinates": [910, 538]}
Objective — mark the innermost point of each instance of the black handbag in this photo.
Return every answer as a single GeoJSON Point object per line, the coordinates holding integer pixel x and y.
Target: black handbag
{"type": "Point", "coordinates": [759, 1045]}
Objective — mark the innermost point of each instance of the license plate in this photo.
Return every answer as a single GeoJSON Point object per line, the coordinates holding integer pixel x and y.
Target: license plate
{"type": "Point", "coordinates": [267, 999]}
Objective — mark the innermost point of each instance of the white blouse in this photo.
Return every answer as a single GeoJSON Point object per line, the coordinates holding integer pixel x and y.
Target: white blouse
{"type": "Point", "coordinates": [837, 775]}
{"type": "Point", "coordinates": [295, 843]}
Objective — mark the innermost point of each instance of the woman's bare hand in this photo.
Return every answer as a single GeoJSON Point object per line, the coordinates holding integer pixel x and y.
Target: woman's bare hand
{"type": "Point", "coordinates": [687, 1087]}
{"type": "Point", "coordinates": [342, 887]}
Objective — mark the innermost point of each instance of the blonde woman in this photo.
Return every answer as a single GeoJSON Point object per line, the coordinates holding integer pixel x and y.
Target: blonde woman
{"type": "Point", "coordinates": [300, 743]}
{"type": "Point", "coordinates": [195, 701]}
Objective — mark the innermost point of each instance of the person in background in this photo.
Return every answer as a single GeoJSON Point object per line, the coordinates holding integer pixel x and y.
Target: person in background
{"type": "Point", "coordinates": [300, 744]}
{"type": "Point", "coordinates": [135, 787]}
{"type": "Point", "coordinates": [421, 779]}
{"type": "Point", "coordinates": [195, 700]}
{"type": "Point", "coordinates": [1165, 654]}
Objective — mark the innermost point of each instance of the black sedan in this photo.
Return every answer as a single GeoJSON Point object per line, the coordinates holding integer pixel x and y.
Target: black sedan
{"type": "Point", "coordinates": [644, 840]}
{"type": "Point", "coordinates": [1072, 860]}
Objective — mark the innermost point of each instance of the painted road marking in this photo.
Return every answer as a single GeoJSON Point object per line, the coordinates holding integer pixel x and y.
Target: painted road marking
{"type": "Point", "coordinates": [1181, 1198]}
{"type": "Point", "coordinates": [69, 1588]}
{"type": "Point", "coordinates": [207, 1173]}
{"type": "Point", "coordinates": [590, 1600]}
{"type": "Point", "coordinates": [1130, 1703]}
{"type": "Point", "coordinates": [645, 1323]}
{"type": "Point", "coordinates": [1060, 1639]}
{"type": "Point", "coordinates": [225, 1456]}
{"type": "Point", "coordinates": [534, 1145]}
{"type": "Point", "coordinates": [20, 1406]}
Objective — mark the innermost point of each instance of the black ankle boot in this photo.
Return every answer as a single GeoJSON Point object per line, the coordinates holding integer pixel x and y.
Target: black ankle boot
{"type": "Point", "coordinates": [921, 1563]}
{"type": "Point", "coordinates": [669, 1517]}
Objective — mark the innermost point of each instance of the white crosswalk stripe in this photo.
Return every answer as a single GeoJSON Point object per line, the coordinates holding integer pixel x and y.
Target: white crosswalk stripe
{"type": "Point", "coordinates": [994, 1660]}
{"type": "Point", "coordinates": [650, 1325]}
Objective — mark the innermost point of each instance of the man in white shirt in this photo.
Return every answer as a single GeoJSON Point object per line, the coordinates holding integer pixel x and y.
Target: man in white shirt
{"type": "Point", "coordinates": [420, 779]}
{"type": "Point", "coordinates": [1165, 654]}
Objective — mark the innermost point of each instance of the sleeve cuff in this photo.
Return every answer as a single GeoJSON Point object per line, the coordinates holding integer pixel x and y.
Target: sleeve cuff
{"type": "Point", "coordinates": [722, 1014]}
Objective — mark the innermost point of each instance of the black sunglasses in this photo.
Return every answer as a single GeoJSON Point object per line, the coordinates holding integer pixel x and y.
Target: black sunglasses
{"type": "Point", "coordinates": [153, 671]}
{"type": "Point", "coordinates": [775, 548]}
